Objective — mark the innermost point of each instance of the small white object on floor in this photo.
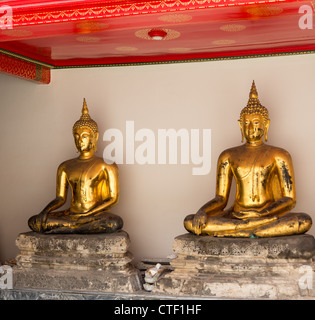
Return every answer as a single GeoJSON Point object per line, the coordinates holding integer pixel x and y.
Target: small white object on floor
{"type": "Point", "coordinates": [151, 276]}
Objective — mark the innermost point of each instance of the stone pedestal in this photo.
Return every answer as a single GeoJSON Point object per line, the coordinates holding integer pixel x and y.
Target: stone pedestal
{"type": "Point", "coordinates": [93, 262]}
{"type": "Point", "coordinates": [241, 268]}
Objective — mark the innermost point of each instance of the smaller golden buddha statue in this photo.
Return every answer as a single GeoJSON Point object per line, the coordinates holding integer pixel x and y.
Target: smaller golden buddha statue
{"type": "Point", "coordinates": [265, 186]}
{"type": "Point", "coordinates": [94, 189]}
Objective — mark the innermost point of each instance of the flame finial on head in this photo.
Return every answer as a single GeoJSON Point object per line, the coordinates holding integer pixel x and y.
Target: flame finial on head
{"type": "Point", "coordinates": [254, 105]}
{"type": "Point", "coordinates": [253, 94]}
{"type": "Point", "coordinates": [85, 109]}
{"type": "Point", "coordinates": [85, 120]}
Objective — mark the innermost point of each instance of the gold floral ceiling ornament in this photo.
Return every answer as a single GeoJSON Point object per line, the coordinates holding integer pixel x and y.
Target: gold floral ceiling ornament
{"type": "Point", "coordinates": [170, 34]}
{"type": "Point", "coordinates": [263, 11]}
{"type": "Point", "coordinates": [223, 42]}
{"type": "Point", "coordinates": [88, 39]}
{"type": "Point", "coordinates": [233, 27]}
{"type": "Point", "coordinates": [90, 26]}
{"type": "Point", "coordinates": [175, 18]}
{"type": "Point", "coordinates": [17, 33]}
{"type": "Point", "coordinates": [126, 49]}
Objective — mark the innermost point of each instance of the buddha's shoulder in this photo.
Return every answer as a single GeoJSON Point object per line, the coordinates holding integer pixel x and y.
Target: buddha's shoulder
{"type": "Point", "coordinates": [106, 164]}
{"type": "Point", "coordinates": [277, 151]}
{"type": "Point", "coordinates": [231, 151]}
{"type": "Point", "coordinates": [273, 151]}
{"type": "Point", "coordinates": [95, 161]}
{"type": "Point", "coordinates": [67, 163]}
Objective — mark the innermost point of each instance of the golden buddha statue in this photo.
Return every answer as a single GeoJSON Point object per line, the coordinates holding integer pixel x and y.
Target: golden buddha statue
{"type": "Point", "coordinates": [94, 189]}
{"type": "Point", "coordinates": [265, 186]}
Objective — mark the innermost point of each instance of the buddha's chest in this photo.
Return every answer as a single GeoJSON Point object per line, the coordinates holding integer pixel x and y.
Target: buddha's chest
{"type": "Point", "coordinates": [251, 169]}
{"type": "Point", "coordinates": [85, 177]}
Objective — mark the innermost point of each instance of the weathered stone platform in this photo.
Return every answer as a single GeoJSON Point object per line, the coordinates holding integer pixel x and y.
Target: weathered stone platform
{"type": "Point", "coordinates": [75, 262]}
{"type": "Point", "coordinates": [242, 268]}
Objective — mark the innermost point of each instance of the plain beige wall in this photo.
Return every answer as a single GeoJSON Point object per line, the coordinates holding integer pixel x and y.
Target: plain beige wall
{"type": "Point", "coordinates": [36, 124]}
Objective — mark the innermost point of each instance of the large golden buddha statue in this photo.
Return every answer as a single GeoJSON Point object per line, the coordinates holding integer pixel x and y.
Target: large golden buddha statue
{"type": "Point", "coordinates": [94, 189]}
{"type": "Point", "coordinates": [265, 187]}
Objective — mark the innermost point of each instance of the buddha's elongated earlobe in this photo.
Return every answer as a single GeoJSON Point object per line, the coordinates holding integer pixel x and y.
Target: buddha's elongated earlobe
{"type": "Point", "coordinates": [266, 130]}
{"type": "Point", "coordinates": [241, 127]}
{"type": "Point", "coordinates": [95, 138]}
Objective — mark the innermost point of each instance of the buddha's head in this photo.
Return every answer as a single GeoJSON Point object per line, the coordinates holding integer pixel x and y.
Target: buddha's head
{"type": "Point", "coordinates": [85, 132]}
{"type": "Point", "coordinates": [254, 119]}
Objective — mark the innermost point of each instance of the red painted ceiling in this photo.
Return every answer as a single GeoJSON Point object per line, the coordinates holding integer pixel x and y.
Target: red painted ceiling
{"type": "Point", "coordinates": [80, 33]}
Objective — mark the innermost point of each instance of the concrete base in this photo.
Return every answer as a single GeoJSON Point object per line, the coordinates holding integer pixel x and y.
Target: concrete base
{"type": "Point", "coordinates": [241, 268]}
{"type": "Point", "coordinates": [76, 262]}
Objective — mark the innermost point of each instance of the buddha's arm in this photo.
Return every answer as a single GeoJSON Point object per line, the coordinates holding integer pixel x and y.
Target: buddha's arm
{"type": "Point", "coordinates": [213, 206]}
{"type": "Point", "coordinates": [218, 203]}
{"type": "Point", "coordinates": [61, 194]}
{"type": "Point", "coordinates": [111, 172]}
{"type": "Point", "coordinates": [284, 167]}
{"type": "Point", "coordinates": [61, 191]}
{"type": "Point", "coordinates": [52, 205]}
{"type": "Point", "coordinates": [223, 186]}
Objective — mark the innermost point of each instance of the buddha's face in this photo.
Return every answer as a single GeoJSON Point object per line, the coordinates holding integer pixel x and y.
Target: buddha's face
{"type": "Point", "coordinates": [84, 139]}
{"type": "Point", "coordinates": [254, 127]}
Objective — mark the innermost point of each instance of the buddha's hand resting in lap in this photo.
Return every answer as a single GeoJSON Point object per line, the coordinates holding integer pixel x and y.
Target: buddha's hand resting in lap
{"type": "Point", "coordinates": [248, 214]}
{"type": "Point", "coordinates": [199, 221]}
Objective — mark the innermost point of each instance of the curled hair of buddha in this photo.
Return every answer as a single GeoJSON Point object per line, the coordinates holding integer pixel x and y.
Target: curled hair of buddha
{"type": "Point", "coordinates": [254, 106]}
{"type": "Point", "coordinates": [85, 120]}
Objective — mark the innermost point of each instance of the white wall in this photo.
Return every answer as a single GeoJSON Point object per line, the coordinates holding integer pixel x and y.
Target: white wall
{"type": "Point", "coordinates": [154, 199]}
